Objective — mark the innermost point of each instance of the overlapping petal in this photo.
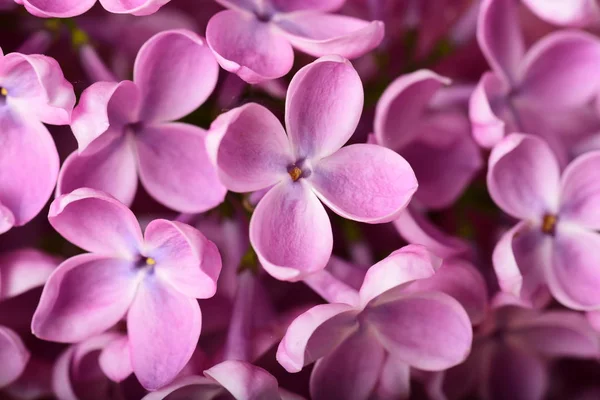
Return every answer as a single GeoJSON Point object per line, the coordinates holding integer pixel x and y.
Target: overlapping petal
{"type": "Point", "coordinates": [580, 197]}
{"type": "Point", "coordinates": [244, 380]}
{"type": "Point", "coordinates": [115, 359]}
{"type": "Point", "coordinates": [135, 7]}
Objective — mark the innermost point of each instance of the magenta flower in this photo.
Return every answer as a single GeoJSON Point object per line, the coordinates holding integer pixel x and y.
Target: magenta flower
{"type": "Point", "coordinates": [555, 244]}
{"type": "Point", "coordinates": [123, 129]}
{"type": "Point", "coordinates": [365, 342]}
{"type": "Point", "coordinates": [254, 38]}
{"type": "Point", "coordinates": [71, 8]}
{"type": "Point", "coordinates": [33, 91]}
{"type": "Point", "coordinates": [570, 13]}
{"type": "Point", "coordinates": [153, 281]}
{"type": "Point", "coordinates": [524, 92]}
{"type": "Point", "coordinates": [290, 229]}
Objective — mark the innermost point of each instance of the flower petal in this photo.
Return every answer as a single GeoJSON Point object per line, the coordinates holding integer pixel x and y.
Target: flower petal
{"type": "Point", "coordinates": [291, 232]}
{"type": "Point", "coordinates": [184, 257]}
{"type": "Point", "coordinates": [314, 334]}
{"type": "Point", "coordinates": [402, 105]}
{"type": "Point", "coordinates": [523, 177]}
{"type": "Point", "coordinates": [375, 194]}
{"type": "Point", "coordinates": [115, 360]}
{"type": "Point", "coordinates": [112, 170]}
{"type": "Point", "coordinates": [84, 296]}
{"type": "Point", "coordinates": [135, 7]}
{"type": "Point", "coordinates": [500, 37]}
{"type": "Point", "coordinates": [248, 47]}
{"type": "Point", "coordinates": [175, 72]}
{"type": "Point", "coordinates": [96, 222]}
{"type": "Point", "coordinates": [581, 192]}
{"type": "Point", "coordinates": [23, 270]}
{"type": "Point", "coordinates": [163, 326]}
{"type": "Point", "coordinates": [573, 275]}
{"type": "Point", "coordinates": [28, 166]}
{"type": "Point", "coordinates": [7, 219]}
{"type": "Point", "coordinates": [394, 379]}
{"type": "Point", "coordinates": [320, 34]}
{"type": "Point", "coordinates": [185, 388]}
{"type": "Point", "coordinates": [559, 70]}
{"type": "Point", "coordinates": [13, 356]}
{"type": "Point", "coordinates": [244, 380]}
{"type": "Point", "coordinates": [568, 13]}
{"type": "Point", "coordinates": [488, 128]}
{"type": "Point", "coordinates": [323, 106]}
{"type": "Point", "coordinates": [429, 331]}
{"type": "Point", "coordinates": [58, 8]}
{"type": "Point", "coordinates": [307, 5]}
{"type": "Point", "coordinates": [250, 148]}
{"type": "Point", "coordinates": [175, 168]}
{"type": "Point", "coordinates": [351, 371]}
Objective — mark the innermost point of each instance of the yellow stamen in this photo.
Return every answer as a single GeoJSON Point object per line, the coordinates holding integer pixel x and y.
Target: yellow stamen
{"type": "Point", "coordinates": [3, 92]}
{"type": "Point", "coordinates": [549, 224]}
{"type": "Point", "coordinates": [295, 173]}
{"type": "Point", "coordinates": [150, 261]}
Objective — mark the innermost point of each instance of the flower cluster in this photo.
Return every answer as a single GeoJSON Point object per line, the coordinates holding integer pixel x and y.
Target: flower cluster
{"type": "Point", "coordinates": [299, 199]}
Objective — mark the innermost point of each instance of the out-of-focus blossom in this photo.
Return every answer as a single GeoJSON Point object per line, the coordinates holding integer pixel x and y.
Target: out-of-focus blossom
{"type": "Point", "coordinates": [254, 38]}
{"type": "Point", "coordinates": [555, 244]}
{"type": "Point", "coordinates": [33, 91]}
{"type": "Point", "coordinates": [152, 280]}
{"type": "Point", "coordinates": [290, 229]}
{"type": "Point", "coordinates": [124, 129]}
{"type": "Point", "coordinates": [365, 341]}
{"type": "Point", "coordinates": [71, 8]}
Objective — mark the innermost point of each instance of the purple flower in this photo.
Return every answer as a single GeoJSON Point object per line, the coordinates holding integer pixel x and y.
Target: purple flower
{"type": "Point", "coordinates": [254, 38]}
{"type": "Point", "coordinates": [525, 92]}
{"type": "Point", "coordinates": [555, 244]}
{"type": "Point", "coordinates": [366, 341]}
{"type": "Point", "coordinates": [71, 8]}
{"type": "Point", "coordinates": [290, 229]}
{"type": "Point", "coordinates": [33, 91]}
{"type": "Point", "coordinates": [124, 129]}
{"type": "Point", "coordinates": [153, 281]}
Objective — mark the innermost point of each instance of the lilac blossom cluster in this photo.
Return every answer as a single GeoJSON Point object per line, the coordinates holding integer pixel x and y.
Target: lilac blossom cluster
{"type": "Point", "coordinates": [299, 199]}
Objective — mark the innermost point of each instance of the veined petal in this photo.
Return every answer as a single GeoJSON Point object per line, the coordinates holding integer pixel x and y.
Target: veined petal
{"type": "Point", "coordinates": [580, 199]}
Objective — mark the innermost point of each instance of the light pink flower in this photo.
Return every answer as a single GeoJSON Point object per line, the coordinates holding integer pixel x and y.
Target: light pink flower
{"type": "Point", "coordinates": [577, 13]}
{"type": "Point", "coordinates": [555, 244]}
{"type": "Point", "coordinates": [254, 38]}
{"type": "Point", "coordinates": [290, 229]}
{"type": "Point", "coordinates": [152, 280]}
{"type": "Point", "coordinates": [71, 8]}
{"type": "Point", "coordinates": [124, 129]}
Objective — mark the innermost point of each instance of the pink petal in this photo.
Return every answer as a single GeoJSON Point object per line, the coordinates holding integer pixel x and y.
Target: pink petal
{"type": "Point", "coordinates": [163, 326]}
{"type": "Point", "coordinates": [314, 334]}
{"type": "Point", "coordinates": [573, 276]}
{"type": "Point", "coordinates": [135, 7]}
{"type": "Point", "coordinates": [112, 170]}
{"type": "Point", "coordinates": [500, 37]}
{"type": "Point", "coordinates": [96, 222]}
{"type": "Point", "coordinates": [559, 70]}
{"type": "Point", "coordinates": [523, 177]}
{"type": "Point", "coordinates": [58, 8]}
{"type": "Point", "coordinates": [323, 105]}
{"type": "Point", "coordinates": [7, 219]}
{"type": "Point", "coordinates": [37, 87]}
{"type": "Point", "coordinates": [402, 105]}
{"type": "Point", "coordinates": [13, 356]}
{"type": "Point", "coordinates": [570, 13]}
{"type": "Point", "coordinates": [248, 47]}
{"type": "Point", "coordinates": [23, 270]}
{"type": "Point", "coordinates": [115, 360]}
{"type": "Point", "coordinates": [321, 34]}
{"type": "Point", "coordinates": [407, 264]}
{"type": "Point", "coordinates": [28, 167]}
{"type": "Point", "coordinates": [488, 128]}
{"type": "Point", "coordinates": [351, 371]}
{"type": "Point", "coordinates": [175, 72]}
{"type": "Point", "coordinates": [375, 194]}
{"type": "Point", "coordinates": [307, 5]}
{"type": "Point", "coordinates": [250, 148]}
{"type": "Point", "coordinates": [184, 257]}
{"type": "Point", "coordinates": [244, 380]}
{"type": "Point", "coordinates": [429, 331]}
{"type": "Point", "coordinates": [581, 192]}
{"type": "Point", "coordinates": [175, 168]}
{"type": "Point", "coordinates": [103, 111]}
{"type": "Point", "coordinates": [84, 296]}
{"type": "Point", "coordinates": [394, 379]}
{"type": "Point", "coordinates": [291, 232]}
{"type": "Point", "coordinates": [185, 388]}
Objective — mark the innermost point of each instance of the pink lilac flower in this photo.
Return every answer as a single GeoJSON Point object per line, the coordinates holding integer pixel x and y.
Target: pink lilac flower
{"type": "Point", "coordinates": [577, 13]}
{"type": "Point", "coordinates": [365, 341]}
{"type": "Point", "coordinates": [290, 229]}
{"type": "Point", "coordinates": [555, 243]}
{"type": "Point", "coordinates": [527, 91]}
{"type": "Point", "coordinates": [153, 281]}
{"type": "Point", "coordinates": [124, 129]}
{"type": "Point", "coordinates": [255, 38]}
{"type": "Point", "coordinates": [33, 91]}
{"type": "Point", "coordinates": [72, 8]}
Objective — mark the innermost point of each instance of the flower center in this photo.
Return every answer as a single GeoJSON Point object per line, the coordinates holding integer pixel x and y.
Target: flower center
{"type": "Point", "coordinates": [3, 92]}
{"type": "Point", "coordinates": [299, 169]}
{"type": "Point", "coordinates": [144, 262]}
{"type": "Point", "coordinates": [295, 173]}
{"type": "Point", "coordinates": [549, 224]}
